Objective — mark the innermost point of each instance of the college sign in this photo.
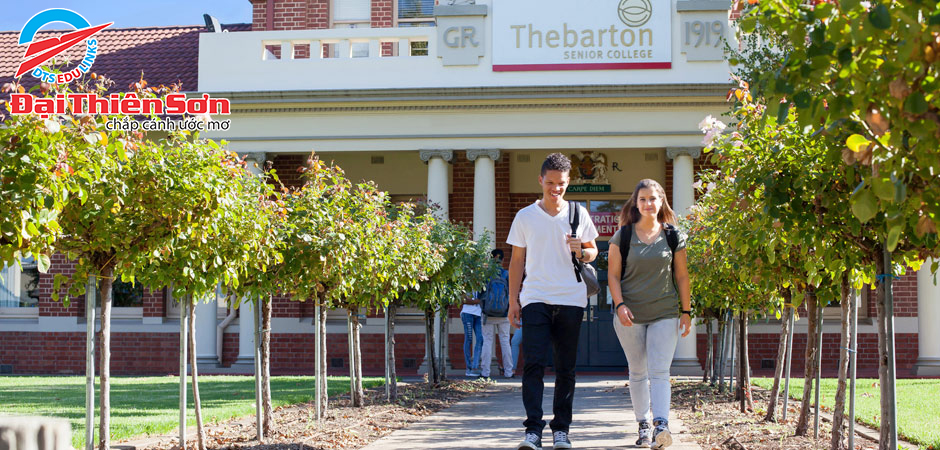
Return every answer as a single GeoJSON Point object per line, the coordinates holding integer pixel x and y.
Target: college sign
{"type": "Point", "coordinates": [594, 35]}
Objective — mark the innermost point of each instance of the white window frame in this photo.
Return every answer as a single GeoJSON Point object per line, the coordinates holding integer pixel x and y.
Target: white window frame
{"type": "Point", "coordinates": [117, 312]}
{"type": "Point", "coordinates": [31, 312]}
{"type": "Point", "coordinates": [334, 8]}
{"type": "Point", "coordinates": [172, 307]}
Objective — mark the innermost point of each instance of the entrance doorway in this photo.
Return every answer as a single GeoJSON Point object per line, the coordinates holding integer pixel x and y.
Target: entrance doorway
{"type": "Point", "coordinates": [598, 346]}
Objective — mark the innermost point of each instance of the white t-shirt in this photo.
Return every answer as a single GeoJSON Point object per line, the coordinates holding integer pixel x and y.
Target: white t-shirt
{"type": "Point", "coordinates": [550, 277]}
{"type": "Point", "coordinates": [472, 309]}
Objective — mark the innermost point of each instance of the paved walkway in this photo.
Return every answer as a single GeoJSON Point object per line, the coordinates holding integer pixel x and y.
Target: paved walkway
{"type": "Point", "coordinates": [603, 419]}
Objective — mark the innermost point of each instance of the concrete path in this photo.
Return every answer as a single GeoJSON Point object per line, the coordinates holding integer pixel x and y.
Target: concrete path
{"type": "Point", "coordinates": [603, 419]}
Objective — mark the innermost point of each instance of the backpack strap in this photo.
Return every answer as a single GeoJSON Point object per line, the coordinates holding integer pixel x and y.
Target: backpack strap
{"type": "Point", "coordinates": [574, 218]}
{"type": "Point", "coordinates": [672, 236]}
{"type": "Point", "coordinates": [626, 233]}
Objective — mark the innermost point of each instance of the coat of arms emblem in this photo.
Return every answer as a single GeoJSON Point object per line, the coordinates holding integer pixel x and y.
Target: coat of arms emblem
{"type": "Point", "coordinates": [589, 168]}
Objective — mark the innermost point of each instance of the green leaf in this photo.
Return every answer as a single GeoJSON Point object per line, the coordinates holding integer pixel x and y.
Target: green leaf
{"type": "Point", "coordinates": [884, 188]}
{"type": "Point", "coordinates": [916, 103]}
{"type": "Point", "coordinates": [43, 262]}
{"type": "Point", "coordinates": [880, 17]}
{"type": "Point", "coordinates": [864, 205]}
{"type": "Point", "coordinates": [783, 113]}
{"type": "Point", "coordinates": [857, 142]}
{"type": "Point", "coordinates": [894, 234]}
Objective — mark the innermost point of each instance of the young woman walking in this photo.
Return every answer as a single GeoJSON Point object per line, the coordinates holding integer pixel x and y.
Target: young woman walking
{"type": "Point", "coordinates": [651, 304]}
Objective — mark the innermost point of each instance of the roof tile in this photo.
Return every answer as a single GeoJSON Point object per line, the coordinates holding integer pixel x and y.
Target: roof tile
{"type": "Point", "coordinates": [164, 55]}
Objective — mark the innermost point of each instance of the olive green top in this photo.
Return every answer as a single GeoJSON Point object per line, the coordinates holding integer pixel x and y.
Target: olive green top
{"type": "Point", "coordinates": [648, 287]}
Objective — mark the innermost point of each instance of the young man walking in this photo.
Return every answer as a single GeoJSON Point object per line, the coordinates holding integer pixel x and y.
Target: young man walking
{"type": "Point", "coordinates": [552, 300]}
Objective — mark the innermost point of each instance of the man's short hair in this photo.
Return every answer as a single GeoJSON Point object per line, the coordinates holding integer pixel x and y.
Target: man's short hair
{"type": "Point", "coordinates": [556, 161]}
{"type": "Point", "coordinates": [497, 253]}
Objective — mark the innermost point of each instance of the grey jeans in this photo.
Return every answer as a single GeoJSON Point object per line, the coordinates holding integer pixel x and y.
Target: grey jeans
{"type": "Point", "coordinates": [649, 349]}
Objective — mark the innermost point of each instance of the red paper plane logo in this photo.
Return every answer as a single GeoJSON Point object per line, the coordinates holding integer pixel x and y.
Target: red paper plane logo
{"type": "Point", "coordinates": [38, 52]}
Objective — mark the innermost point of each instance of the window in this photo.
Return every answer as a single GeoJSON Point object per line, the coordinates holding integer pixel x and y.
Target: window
{"type": "Point", "coordinates": [351, 14]}
{"type": "Point", "coordinates": [124, 295]}
{"type": "Point", "coordinates": [415, 11]}
{"type": "Point", "coordinates": [173, 306]}
{"type": "Point", "coordinates": [127, 299]}
{"type": "Point", "coordinates": [352, 11]}
{"type": "Point", "coordinates": [19, 289]}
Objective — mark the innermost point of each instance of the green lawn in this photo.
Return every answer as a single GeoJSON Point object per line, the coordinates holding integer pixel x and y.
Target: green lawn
{"type": "Point", "coordinates": [918, 405]}
{"type": "Point", "coordinates": [150, 405]}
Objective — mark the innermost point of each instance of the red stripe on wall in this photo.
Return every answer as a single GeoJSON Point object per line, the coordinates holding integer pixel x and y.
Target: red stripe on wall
{"type": "Point", "coordinates": [587, 66]}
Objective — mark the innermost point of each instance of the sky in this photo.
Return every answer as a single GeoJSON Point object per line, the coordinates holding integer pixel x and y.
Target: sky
{"type": "Point", "coordinates": [129, 13]}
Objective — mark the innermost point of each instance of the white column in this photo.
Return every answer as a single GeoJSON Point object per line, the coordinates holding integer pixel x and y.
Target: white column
{"type": "Point", "coordinates": [928, 316]}
{"type": "Point", "coordinates": [206, 323]}
{"type": "Point", "coordinates": [246, 313]}
{"type": "Point", "coordinates": [484, 192]}
{"type": "Point", "coordinates": [438, 179]}
{"type": "Point", "coordinates": [685, 361]}
{"type": "Point", "coordinates": [438, 193]}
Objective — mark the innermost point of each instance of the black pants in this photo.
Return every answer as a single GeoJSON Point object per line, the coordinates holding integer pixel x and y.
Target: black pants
{"type": "Point", "coordinates": [559, 326]}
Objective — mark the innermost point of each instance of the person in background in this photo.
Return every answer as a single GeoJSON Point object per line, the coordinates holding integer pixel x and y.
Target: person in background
{"type": "Point", "coordinates": [470, 315]}
{"type": "Point", "coordinates": [495, 320]}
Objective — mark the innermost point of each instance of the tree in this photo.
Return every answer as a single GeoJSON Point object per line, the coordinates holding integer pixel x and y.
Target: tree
{"type": "Point", "coordinates": [35, 178]}
{"type": "Point", "coordinates": [132, 194]}
{"type": "Point", "coordinates": [220, 248]}
{"type": "Point", "coordinates": [466, 268]}
{"type": "Point", "coordinates": [845, 56]}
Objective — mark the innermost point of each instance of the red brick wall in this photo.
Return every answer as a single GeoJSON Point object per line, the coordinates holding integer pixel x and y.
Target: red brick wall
{"type": "Point", "coordinates": [292, 14]}
{"type": "Point", "coordinates": [47, 306]}
{"type": "Point", "coordinates": [287, 167]}
{"type": "Point", "coordinates": [64, 353]}
{"type": "Point", "coordinates": [764, 346]}
{"type": "Point", "coordinates": [461, 196]}
{"type": "Point", "coordinates": [382, 18]}
{"type": "Point", "coordinates": [154, 303]}
{"type": "Point", "coordinates": [318, 14]}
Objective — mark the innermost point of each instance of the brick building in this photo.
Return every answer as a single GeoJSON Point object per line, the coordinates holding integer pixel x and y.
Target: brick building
{"type": "Point", "coordinates": [457, 104]}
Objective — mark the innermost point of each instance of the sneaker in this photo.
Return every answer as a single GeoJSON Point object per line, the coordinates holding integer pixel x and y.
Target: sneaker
{"type": "Point", "coordinates": [644, 435]}
{"type": "Point", "coordinates": [662, 438]}
{"type": "Point", "coordinates": [560, 439]}
{"type": "Point", "coordinates": [532, 442]}
{"type": "Point", "coordinates": [472, 373]}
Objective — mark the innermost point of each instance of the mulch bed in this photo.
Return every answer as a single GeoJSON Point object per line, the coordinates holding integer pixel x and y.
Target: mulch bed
{"type": "Point", "coordinates": [716, 421]}
{"type": "Point", "coordinates": [343, 426]}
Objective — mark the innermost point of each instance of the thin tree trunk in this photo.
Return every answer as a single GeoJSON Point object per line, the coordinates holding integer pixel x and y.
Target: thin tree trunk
{"type": "Point", "coordinates": [781, 356]}
{"type": "Point", "coordinates": [356, 394]}
{"type": "Point", "coordinates": [390, 357]}
{"type": "Point", "coordinates": [709, 356]}
{"type": "Point", "coordinates": [266, 308]}
{"type": "Point", "coordinates": [429, 346]}
{"type": "Point", "coordinates": [441, 343]}
{"type": "Point", "coordinates": [324, 393]}
{"type": "Point", "coordinates": [838, 414]}
{"type": "Point", "coordinates": [722, 350]}
{"type": "Point", "coordinates": [104, 428]}
{"type": "Point", "coordinates": [200, 431]}
{"type": "Point", "coordinates": [744, 377]}
{"type": "Point", "coordinates": [809, 371]}
{"type": "Point", "coordinates": [882, 324]}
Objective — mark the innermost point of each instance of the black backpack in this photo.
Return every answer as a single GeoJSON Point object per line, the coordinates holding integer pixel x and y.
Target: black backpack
{"type": "Point", "coordinates": [626, 235]}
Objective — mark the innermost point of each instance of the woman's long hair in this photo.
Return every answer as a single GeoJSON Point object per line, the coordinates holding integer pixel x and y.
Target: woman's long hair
{"type": "Point", "coordinates": [630, 215]}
